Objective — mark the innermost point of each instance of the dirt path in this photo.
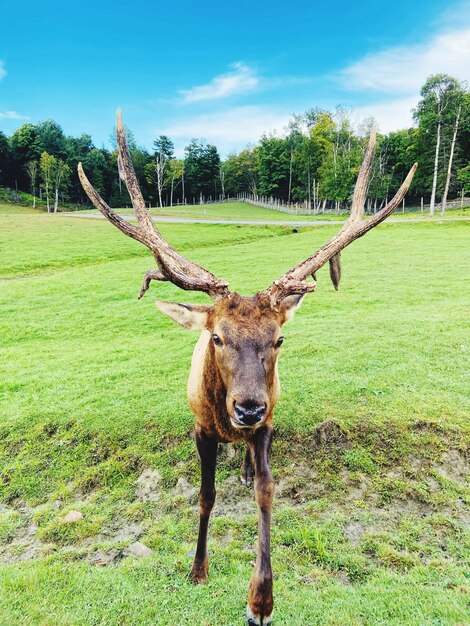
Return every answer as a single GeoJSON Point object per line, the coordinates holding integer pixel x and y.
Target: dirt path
{"type": "Point", "coordinates": [185, 220]}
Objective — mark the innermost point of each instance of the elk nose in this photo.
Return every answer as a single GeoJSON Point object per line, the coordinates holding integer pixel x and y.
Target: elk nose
{"type": "Point", "coordinates": [249, 413]}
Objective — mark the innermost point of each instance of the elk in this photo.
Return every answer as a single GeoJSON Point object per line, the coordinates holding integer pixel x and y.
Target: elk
{"type": "Point", "coordinates": [233, 383]}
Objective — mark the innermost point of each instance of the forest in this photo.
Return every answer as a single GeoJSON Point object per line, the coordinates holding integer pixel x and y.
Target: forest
{"type": "Point", "coordinates": [316, 161]}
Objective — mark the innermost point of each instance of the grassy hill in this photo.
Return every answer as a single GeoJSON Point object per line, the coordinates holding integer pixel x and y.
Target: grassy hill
{"type": "Point", "coordinates": [371, 455]}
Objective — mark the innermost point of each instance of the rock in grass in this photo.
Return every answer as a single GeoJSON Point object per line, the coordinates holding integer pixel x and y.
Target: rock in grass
{"type": "Point", "coordinates": [104, 559]}
{"type": "Point", "coordinates": [138, 549]}
{"type": "Point", "coordinates": [72, 517]}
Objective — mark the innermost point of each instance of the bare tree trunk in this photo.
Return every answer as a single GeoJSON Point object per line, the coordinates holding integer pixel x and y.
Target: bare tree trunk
{"type": "Point", "coordinates": [171, 192]}
{"type": "Point", "coordinates": [47, 198]}
{"type": "Point", "coordinates": [309, 191]}
{"type": "Point", "coordinates": [290, 178]}
{"type": "Point", "coordinates": [222, 181]}
{"type": "Point", "coordinates": [58, 178]}
{"type": "Point", "coordinates": [449, 166]}
{"type": "Point", "coordinates": [32, 171]}
{"type": "Point", "coordinates": [436, 164]}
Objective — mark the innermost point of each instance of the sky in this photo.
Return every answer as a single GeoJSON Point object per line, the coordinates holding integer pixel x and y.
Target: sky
{"type": "Point", "coordinates": [223, 72]}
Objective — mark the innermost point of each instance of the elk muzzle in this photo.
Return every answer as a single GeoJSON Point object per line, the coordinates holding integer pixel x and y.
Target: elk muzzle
{"type": "Point", "coordinates": [248, 414]}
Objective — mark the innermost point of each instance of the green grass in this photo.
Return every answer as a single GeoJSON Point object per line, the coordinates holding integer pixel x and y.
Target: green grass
{"type": "Point", "coordinates": [369, 525]}
{"type": "Point", "coordinates": [223, 211]}
{"type": "Point", "coordinates": [16, 209]}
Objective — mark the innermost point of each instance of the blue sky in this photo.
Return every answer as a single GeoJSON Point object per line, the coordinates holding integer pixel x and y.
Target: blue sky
{"type": "Point", "coordinates": [223, 72]}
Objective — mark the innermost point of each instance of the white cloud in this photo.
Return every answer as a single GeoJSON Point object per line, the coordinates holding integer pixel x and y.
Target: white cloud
{"type": "Point", "coordinates": [391, 115]}
{"type": "Point", "coordinates": [403, 69]}
{"type": "Point", "coordinates": [238, 81]}
{"type": "Point", "coordinates": [11, 115]}
{"type": "Point", "coordinates": [3, 71]}
{"type": "Point", "coordinates": [229, 130]}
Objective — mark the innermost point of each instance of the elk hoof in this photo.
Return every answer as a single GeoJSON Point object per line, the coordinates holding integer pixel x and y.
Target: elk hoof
{"type": "Point", "coordinates": [252, 620]}
{"type": "Point", "coordinates": [246, 481]}
{"type": "Point", "coordinates": [199, 573]}
{"type": "Point", "coordinates": [247, 474]}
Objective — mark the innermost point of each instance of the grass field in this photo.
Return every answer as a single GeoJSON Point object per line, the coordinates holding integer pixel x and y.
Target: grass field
{"type": "Point", "coordinates": [371, 455]}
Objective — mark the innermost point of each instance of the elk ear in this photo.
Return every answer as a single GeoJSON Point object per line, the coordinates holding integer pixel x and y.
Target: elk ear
{"type": "Point", "coordinates": [192, 316]}
{"type": "Point", "coordinates": [289, 305]}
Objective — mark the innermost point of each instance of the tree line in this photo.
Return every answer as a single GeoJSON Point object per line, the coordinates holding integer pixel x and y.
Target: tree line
{"type": "Point", "coordinates": [316, 162]}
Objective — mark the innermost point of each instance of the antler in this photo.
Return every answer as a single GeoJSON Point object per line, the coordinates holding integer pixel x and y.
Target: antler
{"type": "Point", "coordinates": [172, 266]}
{"type": "Point", "coordinates": [294, 281]}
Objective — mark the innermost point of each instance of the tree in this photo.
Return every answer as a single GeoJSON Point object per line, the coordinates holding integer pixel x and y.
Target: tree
{"type": "Point", "coordinates": [78, 147]}
{"type": "Point", "coordinates": [463, 176]}
{"type": "Point", "coordinates": [248, 169]}
{"type": "Point", "coordinates": [4, 155]}
{"type": "Point", "coordinates": [61, 178]}
{"type": "Point", "coordinates": [439, 97]}
{"type": "Point", "coordinates": [46, 165]}
{"type": "Point", "coordinates": [32, 171]}
{"type": "Point", "coordinates": [164, 146]}
{"type": "Point", "coordinates": [95, 166]}
{"type": "Point", "coordinates": [175, 175]}
{"type": "Point", "coordinates": [24, 147]}
{"type": "Point", "coordinates": [156, 171]}
{"type": "Point", "coordinates": [451, 158]}
{"type": "Point", "coordinates": [55, 175]}
{"type": "Point", "coordinates": [155, 174]}
{"type": "Point", "coordinates": [51, 139]}
{"type": "Point", "coordinates": [274, 164]}
{"type": "Point", "coordinates": [201, 168]}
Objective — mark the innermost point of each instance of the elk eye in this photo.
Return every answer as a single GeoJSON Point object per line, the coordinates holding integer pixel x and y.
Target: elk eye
{"type": "Point", "coordinates": [279, 342]}
{"type": "Point", "coordinates": [217, 340]}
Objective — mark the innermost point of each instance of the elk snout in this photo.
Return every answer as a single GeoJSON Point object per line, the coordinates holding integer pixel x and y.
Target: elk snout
{"type": "Point", "coordinates": [249, 413]}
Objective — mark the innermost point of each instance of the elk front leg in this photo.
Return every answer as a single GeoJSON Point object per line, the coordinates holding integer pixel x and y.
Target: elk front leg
{"type": "Point", "coordinates": [247, 469]}
{"type": "Point", "coordinates": [207, 448]}
{"type": "Point", "coordinates": [260, 600]}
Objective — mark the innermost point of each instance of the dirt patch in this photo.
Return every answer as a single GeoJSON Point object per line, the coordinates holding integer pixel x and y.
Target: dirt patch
{"type": "Point", "coordinates": [147, 487]}
{"type": "Point", "coordinates": [354, 532]}
{"type": "Point", "coordinates": [454, 466]}
{"type": "Point", "coordinates": [307, 470]}
{"type": "Point", "coordinates": [329, 433]}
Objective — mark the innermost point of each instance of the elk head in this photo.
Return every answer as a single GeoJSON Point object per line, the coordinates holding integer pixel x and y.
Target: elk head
{"type": "Point", "coordinates": [245, 333]}
{"type": "Point", "coordinates": [245, 337]}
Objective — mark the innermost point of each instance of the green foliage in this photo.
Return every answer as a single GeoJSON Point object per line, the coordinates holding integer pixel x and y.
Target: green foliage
{"type": "Point", "coordinates": [164, 146]}
{"type": "Point", "coordinates": [51, 139]}
{"type": "Point", "coordinates": [201, 166]}
{"type": "Point", "coordinates": [274, 159]}
{"type": "Point", "coordinates": [95, 166]}
{"type": "Point", "coordinates": [463, 176]}
{"type": "Point", "coordinates": [4, 155]}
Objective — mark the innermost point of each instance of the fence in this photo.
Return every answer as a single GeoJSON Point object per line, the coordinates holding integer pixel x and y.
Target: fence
{"type": "Point", "coordinates": [334, 208]}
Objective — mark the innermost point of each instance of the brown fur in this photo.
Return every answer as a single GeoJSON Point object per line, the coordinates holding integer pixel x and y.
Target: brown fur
{"type": "Point", "coordinates": [246, 326]}
{"type": "Point", "coordinates": [235, 363]}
